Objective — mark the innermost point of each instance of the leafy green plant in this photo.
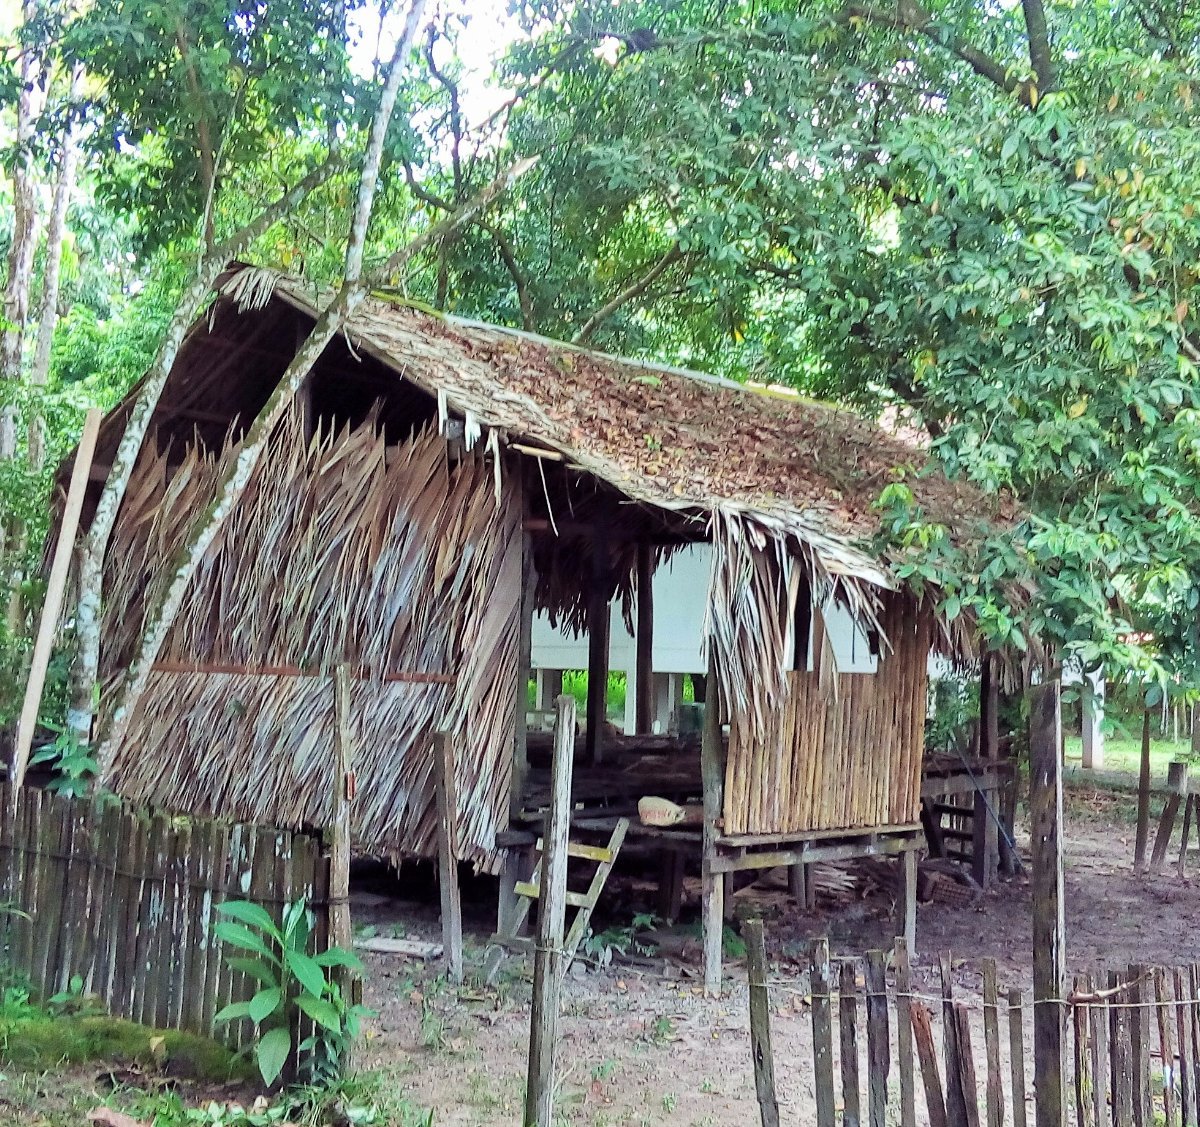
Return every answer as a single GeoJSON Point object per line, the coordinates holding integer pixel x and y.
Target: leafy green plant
{"type": "Point", "coordinates": [292, 983]}
{"type": "Point", "coordinates": [72, 762]}
{"type": "Point", "coordinates": [73, 1000]}
{"type": "Point", "coordinates": [619, 940]}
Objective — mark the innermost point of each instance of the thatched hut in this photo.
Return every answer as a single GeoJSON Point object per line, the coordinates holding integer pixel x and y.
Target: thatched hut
{"type": "Point", "coordinates": [435, 482]}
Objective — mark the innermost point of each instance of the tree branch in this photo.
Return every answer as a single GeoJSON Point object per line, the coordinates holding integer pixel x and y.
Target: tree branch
{"type": "Point", "coordinates": [630, 293]}
{"type": "Point", "coordinates": [1040, 56]}
{"type": "Point", "coordinates": [911, 18]}
{"type": "Point", "coordinates": [508, 256]}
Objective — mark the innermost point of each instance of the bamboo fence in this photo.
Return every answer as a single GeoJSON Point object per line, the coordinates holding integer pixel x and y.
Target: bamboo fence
{"type": "Point", "coordinates": [1131, 1045]}
{"type": "Point", "coordinates": [126, 900]}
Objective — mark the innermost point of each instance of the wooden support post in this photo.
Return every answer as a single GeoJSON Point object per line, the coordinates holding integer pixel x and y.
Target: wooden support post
{"type": "Point", "coordinates": [447, 806]}
{"type": "Point", "coordinates": [670, 884]}
{"type": "Point", "coordinates": [760, 1024]}
{"type": "Point", "coordinates": [598, 626]}
{"type": "Point", "coordinates": [339, 850]}
{"type": "Point", "coordinates": [1177, 790]}
{"type": "Point", "coordinates": [712, 773]}
{"type": "Point", "coordinates": [1049, 928]}
{"type": "Point", "coordinates": [645, 639]}
{"type": "Point", "coordinates": [798, 883]}
{"type": "Point", "coordinates": [906, 903]}
{"type": "Point", "coordinates": [985, 851]}
{"type": "Point", "coordinates": [1143, 807]}
{"type": "Point", "coordinates": [548, 958]}
{"type": "Point", "coordinates": [56, 586]}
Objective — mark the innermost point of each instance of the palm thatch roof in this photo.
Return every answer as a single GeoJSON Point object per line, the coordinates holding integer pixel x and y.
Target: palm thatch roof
{"type": "Point", "coordinates": [667, 437]}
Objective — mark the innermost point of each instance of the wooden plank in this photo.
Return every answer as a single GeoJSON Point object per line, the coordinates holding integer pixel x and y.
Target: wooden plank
{"type": "Point", "coordinates": [533, 891]}
{"type": "Point", "coordinates": [760, 1024]}
{"type": "Point", "coordinates": [879, 1060]}
{"type": "Point", "coordinates": [1098, 1039]}
{"type": "Point", "coordinates": [1016, 1055]}
{"type": "Point", "coordinates": [1139, 1047]}
{"type": "Point", "coordinates": [56, 586]}
{"type": "Point", "coordinates": [966, 1064]}
{"type": "Point", "coordinates": [548, 959]}
{"type": "Point", "coordinates": [956, 1100]}
{"type": "Point", "coordinates": [341, 932]}
{"type": "Point", "coordinates": [407, 948]}
{"type": "Point", "coordinates": [935, 1102]}
{"type": "Point", "coordinates": [985, 839]}
{"type": "Point", "coordinates": [822, 1023]}
{"type": "Point", "coordinates": [1188, 806]}
{"type": "Point", "coordinates": [904, 1035]}
{"type": "Point", "coordinates": [1183, 1026]}
{"type": "Point", "coordinates": [991, 1040]}
{"type": "Point", "coordinates": [447, 806]}
{"type": "Point", "coordinates": [1121, 1056]}
{"type": "Point", "coordinates": [1079, 1027]}
{"type": "Point", "coordinates": [1177, 787]}
{"type": "Point", "coordinates": [712, 883]}
{"type": "Point", "coordinates": [1164, 1011]}
{"type": "Point", "coordinates": [1049, 929]}
{"type": "Point", "coordinates": [906, 903]}
{"type": "Point", "coordinates": [848, 1037]}
{"type": "Point", "coordinates": [582, 852]}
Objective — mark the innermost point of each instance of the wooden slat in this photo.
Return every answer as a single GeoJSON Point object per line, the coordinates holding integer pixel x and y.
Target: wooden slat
{"type": "Point", "coordinates": [935, 1101]}
{"type": "Point", "coordinates": [904, 1045]}
{"type": "Point", "coordinates": [1164, 1011]}
{"type": "Point", "coordinates": [1121, 1056]}
{"type": "Point", "coordinates": [1016, 1055]}
{"type": "Point", "coordinates": [583, 919]}
{"type": "Point", "coordinates": [1082, 1057]}
{"type": "Point", "coordinates": [1183, 1025]}
{"type": "Point", "coordinates": [991, 1038]}
{"type": "Point", "coordinates": [823, 1035]}
{"type": "Point", "coordinates": [848, 1037]}
{"type": "Point", "coordinates": [760, 1024]}
{"type": "Point", "coordinates": [878, 1041]}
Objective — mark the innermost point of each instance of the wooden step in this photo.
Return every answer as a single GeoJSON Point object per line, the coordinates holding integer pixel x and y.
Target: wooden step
{"type": "Point", "coordinates": [598, 853]}
{"type": "Point", "coordinates": [533, 892]}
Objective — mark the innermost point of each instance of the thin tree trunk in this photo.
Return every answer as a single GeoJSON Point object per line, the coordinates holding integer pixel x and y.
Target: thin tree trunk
{"type": "Point", "coordinates": [56, 228]}
{"type": "Point", "coordinates": [24, 239]}
{"type": "Point", "coordinates": [235, 478]}
{"type": "Point", "coordinates": [85, 672]}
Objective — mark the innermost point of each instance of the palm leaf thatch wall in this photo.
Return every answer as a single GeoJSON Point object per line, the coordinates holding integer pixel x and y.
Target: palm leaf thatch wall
{"type": "Point", "coordinates": [345, 549]}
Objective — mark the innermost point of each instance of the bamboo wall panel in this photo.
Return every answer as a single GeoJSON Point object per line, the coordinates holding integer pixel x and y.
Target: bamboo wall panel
{"type": "Point", "coordinates": [844, 750]}
{"type": "Point", "coordinates": [343, 549]}
{"type": "Point", "coordinates": [127, 899]}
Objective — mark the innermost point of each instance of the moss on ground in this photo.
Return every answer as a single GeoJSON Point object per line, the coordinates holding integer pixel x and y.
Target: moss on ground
{"type": "Point", "coordinates": [36, 1040]}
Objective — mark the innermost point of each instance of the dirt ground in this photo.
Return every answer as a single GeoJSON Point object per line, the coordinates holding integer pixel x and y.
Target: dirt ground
{"type": "Point", "coordinates": [642, 1046]}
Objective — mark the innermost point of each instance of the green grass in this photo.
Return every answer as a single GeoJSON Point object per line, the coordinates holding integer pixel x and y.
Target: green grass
{"type": "Point", "coordinates": [1123, 756]}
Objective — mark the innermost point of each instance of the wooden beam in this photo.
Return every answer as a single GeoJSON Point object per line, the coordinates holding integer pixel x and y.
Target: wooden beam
{"type": "Point", "coordinates": [1049, 928]}
{"type": "Point", "coordinates": [447, 808]}
{"type": "Point", "coordinates": [598, 622]}
{"type": "Point", "coordinates": [1142, 840]}
{"type": "Point", "coordinates": [645, 639]}
{"type": "Point", "coordinates": [712, 774]}
{"type": "Point", "coordinates": [548, 959]}
{"type": "Point", "coordinates": [56, 587]}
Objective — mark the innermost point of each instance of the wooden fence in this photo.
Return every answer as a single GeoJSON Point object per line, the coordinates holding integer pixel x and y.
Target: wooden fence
{"type": "Point", "coordinates": [1132, 1038]}
{"type": "Point", "coordinates": [126, 900]}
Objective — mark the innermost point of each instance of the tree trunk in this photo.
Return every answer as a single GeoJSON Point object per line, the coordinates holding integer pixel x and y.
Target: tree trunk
{"type": "Point", "coordinates": [235, 478]}
{"type": "Point", "coordinates": [85, 672]}
{"type": "Point", "coordinates": [51, 272]}
{"type": "Point", "coordinates": [24, 242]}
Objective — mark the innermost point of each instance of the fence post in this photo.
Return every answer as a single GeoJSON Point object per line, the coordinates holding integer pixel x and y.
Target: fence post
{"type": "Point", "coordinates": [760, 1024]}
{"type": "Point", "coordinates": [879, 1059]}
{"type": "Point", "coordinates": [822, 1034]}
{"type": "Point", "coordinates": [552, 906]}
{"type": "Point", "coordinates": [447, 807]}
{"type": "Point", "coordinates": [848, 1039]}
{"type": "Point", "coordinates": [904, 1034]}
{"type": "Point", "coordinates": [991, 1038]}
{"type": "Point", "coordinates": [1049, 927]}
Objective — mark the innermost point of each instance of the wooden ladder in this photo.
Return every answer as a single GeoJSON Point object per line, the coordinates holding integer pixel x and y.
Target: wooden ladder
{"type": "Point", "coordinates": [584, 903]}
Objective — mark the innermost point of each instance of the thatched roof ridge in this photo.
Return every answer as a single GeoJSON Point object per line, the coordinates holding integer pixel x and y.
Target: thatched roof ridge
{"type": "Point", "coordinates": [664, 436]}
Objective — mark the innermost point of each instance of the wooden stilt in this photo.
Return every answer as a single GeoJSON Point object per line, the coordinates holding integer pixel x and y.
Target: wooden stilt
{"type": "Point", "coordinates": [906, 904]}
{"type": "Point", "coordinates": [447, 804]}
{"type": "Point", "coordinates": [670, 884]}
{"type": "Point", "coordinates": [1142, 841]}
{"type": "Point", "coordinates": [645, 639]}
{"type": "Point", "coordinates": [598, 625]}
{"type": "Point", "coordinates": [985, 852]}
